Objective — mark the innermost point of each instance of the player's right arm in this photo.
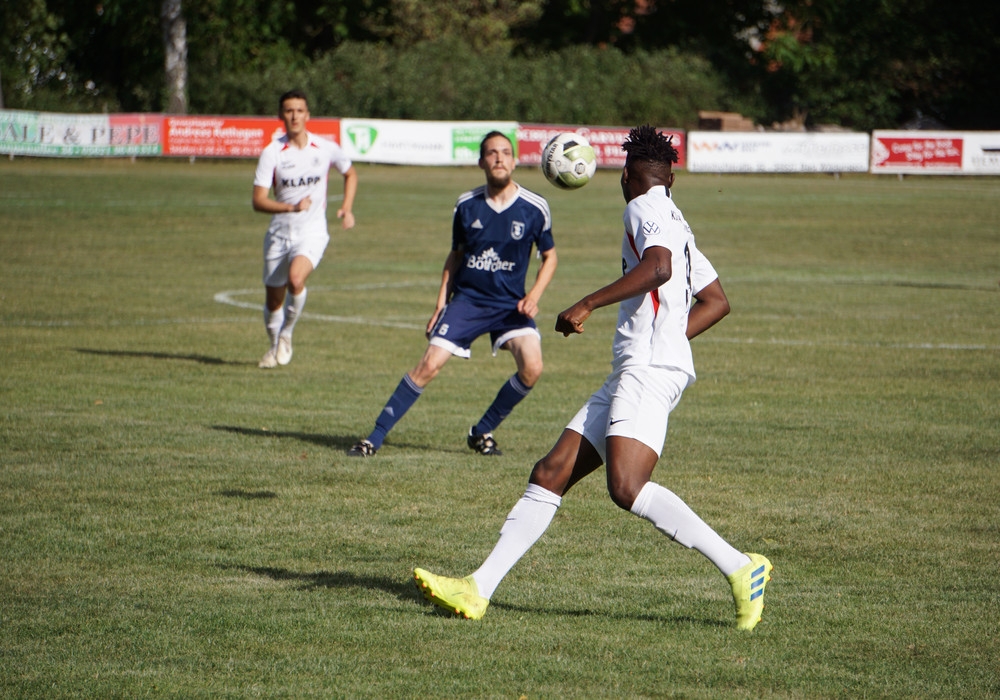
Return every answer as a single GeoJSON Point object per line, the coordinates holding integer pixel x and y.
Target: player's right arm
{"type": "Point", "coordinates": [451, 265]}
{"type": "Point", "coordinates": [653, 270]}
{"type": "Point", "coordinates": [262, 202]}
{"type": "Point", "coordinates": [264, 179]}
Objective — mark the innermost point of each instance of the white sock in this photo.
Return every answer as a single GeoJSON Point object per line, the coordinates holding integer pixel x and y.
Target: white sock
{"type": "Point", "coordinates": [292, 311]}
{"type": "Point", "coordinates": [525, 523]}
{"type": "Point", "coordinates": [675, 519]}
{"type": "Point", "coordinates": [273, 321]}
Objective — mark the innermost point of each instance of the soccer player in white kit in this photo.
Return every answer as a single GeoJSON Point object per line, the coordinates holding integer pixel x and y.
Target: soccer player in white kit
{"type": "Point", "coordinates": [296, 166]}
{"type": "Point", "coordinates": [668, 293]}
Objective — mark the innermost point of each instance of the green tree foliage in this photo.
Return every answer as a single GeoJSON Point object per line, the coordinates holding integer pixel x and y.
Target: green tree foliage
{"type": "Point", "coordinates": [860, 63]}
{"type": "Point", "coordinates": [34, 58]}
{"type": "Point", "coordinates": [877, 64]}
{"type": "Point", "coordinates": [480, 24]}
{"type": "Point", "coordinates": [443, 79]}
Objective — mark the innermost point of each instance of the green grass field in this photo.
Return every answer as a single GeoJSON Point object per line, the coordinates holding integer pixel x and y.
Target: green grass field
{"type": "Point", "coordinates": [176, 522]}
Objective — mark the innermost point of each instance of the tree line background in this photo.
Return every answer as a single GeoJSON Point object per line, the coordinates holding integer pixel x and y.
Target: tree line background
{"type": "Point", "coordinates": [859, 64]}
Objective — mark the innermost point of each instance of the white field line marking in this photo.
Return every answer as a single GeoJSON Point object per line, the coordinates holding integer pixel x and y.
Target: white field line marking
{"type": "Point", "coordinates": [228, 297]}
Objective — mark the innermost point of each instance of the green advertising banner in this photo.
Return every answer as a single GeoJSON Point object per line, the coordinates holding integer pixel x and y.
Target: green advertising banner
{"type": "Point", "coordinates": [79, 135]}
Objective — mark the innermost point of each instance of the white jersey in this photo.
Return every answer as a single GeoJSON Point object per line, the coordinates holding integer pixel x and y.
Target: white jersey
{"type": "Point", "coordinates": [652, 328]}
{"type": "Point", "coordinates": [296, 173]}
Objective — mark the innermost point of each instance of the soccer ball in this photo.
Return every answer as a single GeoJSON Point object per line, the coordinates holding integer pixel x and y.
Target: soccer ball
{"type": "Point", "coordinates": [568, 161]}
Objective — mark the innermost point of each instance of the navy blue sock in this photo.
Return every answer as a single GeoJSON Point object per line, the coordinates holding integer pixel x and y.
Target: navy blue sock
{"type": "Point", "coordinates": [405, 395]}
{"type": "Point", "coordinates": [511, 394]}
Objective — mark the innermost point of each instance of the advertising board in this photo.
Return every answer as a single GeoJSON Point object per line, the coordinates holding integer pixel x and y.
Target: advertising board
{"type": "Point", "coordinates": [936, 152]}
{"type": "Point", "coordinates": [606, 141]}
{"type": "Point", "coordinates": [777, 152]}
{"type": "Point", "coordinates": [79, 135]}
{"type": "Point", "coordinates": [418, 143]}
{"type": "Point", "coordinates": [231, 137]}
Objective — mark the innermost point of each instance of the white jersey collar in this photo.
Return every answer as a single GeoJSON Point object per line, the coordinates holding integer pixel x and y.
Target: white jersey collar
{"type": "Point", "coordinates": [496, 206]}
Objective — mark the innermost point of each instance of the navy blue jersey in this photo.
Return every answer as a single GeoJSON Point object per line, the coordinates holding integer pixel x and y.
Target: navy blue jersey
{"type": "Point", "coordinates": [496, 245]}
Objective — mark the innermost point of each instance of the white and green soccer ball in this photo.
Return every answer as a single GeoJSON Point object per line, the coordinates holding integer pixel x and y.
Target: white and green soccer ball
{"type": "Point", "coordinates": [568, 161]}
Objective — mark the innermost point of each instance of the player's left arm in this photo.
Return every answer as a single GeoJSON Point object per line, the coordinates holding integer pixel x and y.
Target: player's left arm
{"type": "Point", "coordinates": [346, 210]}
{"type": "Point", "coordinates": [546, 271]}
{"type": "Point", "coordinates": [710, 306]}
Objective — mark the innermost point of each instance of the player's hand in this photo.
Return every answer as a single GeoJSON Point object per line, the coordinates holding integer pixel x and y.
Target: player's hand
{"type": "Point", "coordinates": [347, 217]}
{"type": "Point", "coordinates": [572, 319]}
{"type": "Point", "coordinates": [432, 323]}
{"type": "Point", "coordinates": [304, 204]}
{"type": "Point", "coordinates": [528, 307]}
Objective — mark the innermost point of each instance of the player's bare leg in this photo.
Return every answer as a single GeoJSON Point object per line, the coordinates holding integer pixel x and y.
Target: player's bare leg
{"type": "Point", "coordinates": [570, 460]}
{"type": "Point", "coordinates": [274, 318]}
{"type": "Point", "coordinates": [527, 353]}
{"type": "Point", "coordinates": [409, 389]}
{"type": "Point", "coordinates": [298, 273]}
{"type": "Point", "coordinates": [630, 466]}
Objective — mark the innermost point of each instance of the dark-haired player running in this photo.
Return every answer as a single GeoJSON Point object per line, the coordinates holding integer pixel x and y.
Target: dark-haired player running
{"type": "Point", "coordinates": [669, 293]}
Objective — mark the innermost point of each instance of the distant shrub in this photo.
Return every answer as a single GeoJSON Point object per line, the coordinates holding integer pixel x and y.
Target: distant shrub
{"type": "Point", "coordinates": [448, 80]}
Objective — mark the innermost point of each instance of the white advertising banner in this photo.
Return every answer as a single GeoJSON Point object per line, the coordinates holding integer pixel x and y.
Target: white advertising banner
{"type": "Point", "coordinates": [936, 152]}
{"type": "Point", "coordinates": [417, 143]}
{"type": "Point", "coordinates": [778, 152]}
{"type": "Point", "coordinates": [80, 135]}
{"type": "Point", "coordinates": [981, 155]}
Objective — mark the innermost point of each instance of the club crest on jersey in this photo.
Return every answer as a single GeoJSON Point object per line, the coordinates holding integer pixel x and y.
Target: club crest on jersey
{"type": "Point", "coordinates": [517, 230]}
{"type": "Point", "coordinates": [650, 228]}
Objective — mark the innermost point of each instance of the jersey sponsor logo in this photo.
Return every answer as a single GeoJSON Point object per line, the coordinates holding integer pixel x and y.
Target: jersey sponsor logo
{"type": "Point", "coordinates": [650, 228]}
{"type": "Point", "coordinates": [477, 224]}
{"type": "Point", "coordinates": [517, 230]}
{"type": "Point", "coordinates": [299, 182]}
{"type": "Point", "coordinates": [489, 261]}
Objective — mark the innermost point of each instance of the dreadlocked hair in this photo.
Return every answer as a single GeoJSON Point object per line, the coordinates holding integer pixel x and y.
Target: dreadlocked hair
{"type": "Point", "coordinates": [646, 144]}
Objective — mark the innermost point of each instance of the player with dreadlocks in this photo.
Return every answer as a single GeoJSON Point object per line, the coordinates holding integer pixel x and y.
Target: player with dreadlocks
{"type": "Point", "coordinates": [668, 294]}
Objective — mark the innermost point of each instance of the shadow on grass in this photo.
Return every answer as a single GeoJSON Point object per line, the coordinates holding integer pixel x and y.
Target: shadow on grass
{"type": "Point", "coordinates": [247, 495]}
{"type": "Point", "coordinates": [336, 442]}
{"type": "Point", "coordinates": [331, 441]}
{"type": "Point", "coordinates": [203, 359]}
{"type": "Point", "coordinates": [408, 592]}
{"type": "Point", "coordinates": [612, 615]}
{"type": "Point", "coordinates": [920, 285]}
{"type": "Point", "coordinates": [332, 579]}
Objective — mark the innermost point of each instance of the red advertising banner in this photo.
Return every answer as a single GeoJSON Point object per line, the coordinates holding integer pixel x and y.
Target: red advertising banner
{"type": "Point", "coordinates": [231, 137]}
{"type": "Point", "coordinates": [904, 152]}
{"type": "Point", "coordinates": [606, 140]}
{"type": "Point", "coordinates": [135, 132]}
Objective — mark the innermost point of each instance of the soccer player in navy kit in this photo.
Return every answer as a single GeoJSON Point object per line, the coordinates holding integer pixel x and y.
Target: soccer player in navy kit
{"type": "Point", "coordinates": [668, 293]}
{"type": "Point", "coordinates": [494, 229]}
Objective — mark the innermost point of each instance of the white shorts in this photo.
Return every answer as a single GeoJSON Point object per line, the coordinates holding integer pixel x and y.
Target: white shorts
{"type": "Point", "coordinates": [634, 402]}
{"type": "Point", "coordinates": [280, 250]}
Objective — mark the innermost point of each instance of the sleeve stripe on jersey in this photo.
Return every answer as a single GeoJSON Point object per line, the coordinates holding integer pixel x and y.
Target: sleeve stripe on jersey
{"type": "Point", "coordinates": [654, 295]}
{"type": "Point", "coordinates": [471, 194]}
{"type": "Point", "coordinates": [540, 202]}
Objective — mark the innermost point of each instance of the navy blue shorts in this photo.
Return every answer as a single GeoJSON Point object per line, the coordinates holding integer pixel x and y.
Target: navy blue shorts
{"type": "Point", "coordinates": [462, 322]}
